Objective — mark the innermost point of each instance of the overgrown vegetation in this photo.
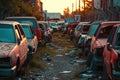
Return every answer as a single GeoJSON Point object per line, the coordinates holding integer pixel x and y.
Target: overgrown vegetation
{"type": "Point", "coordinates": [17, 8]}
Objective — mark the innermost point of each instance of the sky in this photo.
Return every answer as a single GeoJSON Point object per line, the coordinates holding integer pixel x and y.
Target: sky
{"type": "Point", "coordinates": [58, 5]}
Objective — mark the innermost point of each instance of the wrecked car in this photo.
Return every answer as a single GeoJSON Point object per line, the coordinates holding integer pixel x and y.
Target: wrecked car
{"type": "Point", "coordinates": [31, 37]}
{"type": "Point", "coordinates": [111, 55]}
{"type": "Point", "coordinates": [98, 41]}
{"type": "Point", "coordinates": [13, 48]}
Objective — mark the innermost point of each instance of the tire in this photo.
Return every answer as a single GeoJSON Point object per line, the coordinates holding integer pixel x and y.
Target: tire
{"type": "Point", "coordinates": [17, 68]}
{"type": "Point", "coordinates": [89, 59]}
{"type": "Point", "coordinates": [86, 48]}
{"type": "Point", "coordinates": [105, 75]}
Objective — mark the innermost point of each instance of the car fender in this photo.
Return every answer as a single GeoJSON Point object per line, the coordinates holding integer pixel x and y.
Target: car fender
{"type": "Point", "coordinates": [114, 56]}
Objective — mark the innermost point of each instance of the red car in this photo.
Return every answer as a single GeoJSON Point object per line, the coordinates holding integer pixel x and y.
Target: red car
{"type": "Point", "coordinates": [111, 55]}
{"type": "Point", "coordinates": [98, 41]}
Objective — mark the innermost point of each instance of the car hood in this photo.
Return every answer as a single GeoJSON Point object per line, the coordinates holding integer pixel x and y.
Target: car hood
{"type": "Point", "coordinates": [101, 42]}
{"type": "Point", "coordinates": [6, 48]}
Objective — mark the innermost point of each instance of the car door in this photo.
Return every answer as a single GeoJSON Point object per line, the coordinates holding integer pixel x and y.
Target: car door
{"type": "Point", "coordinates": [107, 53]}
{"type": "Point", "coordinates": [22, 43]}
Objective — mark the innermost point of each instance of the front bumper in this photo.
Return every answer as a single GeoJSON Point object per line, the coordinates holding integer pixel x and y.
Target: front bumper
{"type": "Point", "coordinates": [7, 72]}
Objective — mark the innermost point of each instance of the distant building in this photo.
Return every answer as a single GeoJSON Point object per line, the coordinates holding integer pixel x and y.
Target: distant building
{"type": "Point", "coordinates": [97, 4]}
{"type": "Point", "coordinates": [108, 9]}
{"type": "Point", "coordinates": [53, 15]}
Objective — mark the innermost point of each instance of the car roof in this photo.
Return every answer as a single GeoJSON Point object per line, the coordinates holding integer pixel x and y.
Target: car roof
{"type": "Point", "coordinates": [9, 22]}
{"type": "Point", "coordinates": [83, 23]}
{"type": "Point", "coordinates": [20, 17]}
{"type": "Point", "coordinates": [25, 24]}
{"type": "Point", "coordinates": [103, 22]}
{"type": "Point", "coordinates": [116, 25]}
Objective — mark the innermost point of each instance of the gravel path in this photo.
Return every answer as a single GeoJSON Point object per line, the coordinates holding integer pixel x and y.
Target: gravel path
{"type": "Point", "coordinates": [59, 68]}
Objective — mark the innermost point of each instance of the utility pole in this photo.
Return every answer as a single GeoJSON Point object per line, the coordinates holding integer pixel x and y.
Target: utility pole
{"type": "Point", "coordinates": [72, 8]}
{"type": "Point", "coordinates": [79, 6]}
{"type": "Point", "coordinates": [76, 5]}
{"type": "Point", "coordinates": [84, 10]}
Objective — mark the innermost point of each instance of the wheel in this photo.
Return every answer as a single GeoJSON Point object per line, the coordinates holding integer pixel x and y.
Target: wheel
{"type": "Point", "coordinates": [86, 48]}
{"type": "Point", "coordinates": [89, 59]}
{"type": "Point", "coordinates": [17, 67]}
{"type": "Point", "coordinates": [105, 75]}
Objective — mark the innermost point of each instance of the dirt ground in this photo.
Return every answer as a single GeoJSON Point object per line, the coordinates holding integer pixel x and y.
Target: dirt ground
{"type": "Point", "coordinates": [60, 59]}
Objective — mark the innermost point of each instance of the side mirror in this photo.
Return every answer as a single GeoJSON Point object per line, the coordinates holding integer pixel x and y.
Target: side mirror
{"type": "Point", "coordinates": [109, 46]}
{"type": "Point", "coordinates": [18, 41]}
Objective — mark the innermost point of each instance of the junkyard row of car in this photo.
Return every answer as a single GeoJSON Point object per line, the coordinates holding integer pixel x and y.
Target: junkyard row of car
{"type": "Point", "coordinates": [100, 43]}
{"type": "Point", "coordinates": [19, 39]}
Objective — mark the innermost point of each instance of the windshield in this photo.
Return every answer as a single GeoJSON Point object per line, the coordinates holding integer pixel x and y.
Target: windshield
{"type": "Point", "coordinates": [117, 40]}
{"type": "Point", "coordinates": [53, 24]}
{"type": "Point", "coordinates": [93, 29]}
{"type": "Point", "coordinates": [27, 32]}
{"type": "Point", "coordinates": [7, 33]}
{"type": "Point", "coordinates": [69, 20]}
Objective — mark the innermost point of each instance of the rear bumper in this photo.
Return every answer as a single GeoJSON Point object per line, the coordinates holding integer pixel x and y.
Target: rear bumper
{"type": "Point", "coordinates": [7, 72]}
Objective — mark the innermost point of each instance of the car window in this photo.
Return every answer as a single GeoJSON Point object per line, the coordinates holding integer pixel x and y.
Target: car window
{"type": "Point", "coordinates": [117, 41]}
{"type": "Point", "coordinates": [27, 31]}
{"type": "Point", "coordinates": [21, 31]}
{"type": "Point", "coordinates": [53, 24]}
{"type": "Point", "coordinates": [42, 26]}
{"type": "Point", "coordinates": [85, 29]}
{"type": "Point", "coordinates": [111, 35]}
{"type": "Point", "coordinates": [17, 32]}
{"type": "Point", "coordinates": [8, 32]}
{"type": "Point", "coordinates": [104, 32]}
{"type": "Point", "coordinates": [31, 29]}
{"type": "Point", "coordinates": [93, 29]}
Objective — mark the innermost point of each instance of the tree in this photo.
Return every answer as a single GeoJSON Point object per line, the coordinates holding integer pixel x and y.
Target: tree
{"type": "Point", "coordinates": [66, 12]}
{"type": "Point", "coordinates": [17, 8]}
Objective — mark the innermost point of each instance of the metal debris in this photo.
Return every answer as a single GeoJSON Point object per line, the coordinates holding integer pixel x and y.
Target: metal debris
{"type": "Point", "coordinates": [65, 72]}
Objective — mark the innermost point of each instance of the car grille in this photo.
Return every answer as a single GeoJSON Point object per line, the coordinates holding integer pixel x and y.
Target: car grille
{"type": "Point", "coordinates": [5, 62]}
